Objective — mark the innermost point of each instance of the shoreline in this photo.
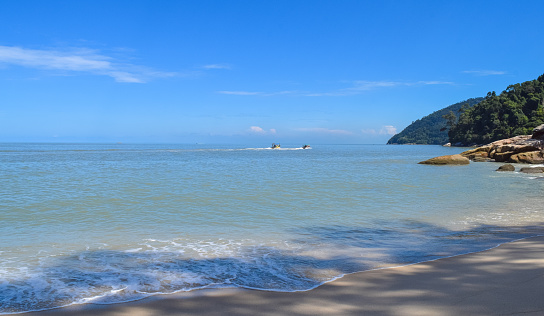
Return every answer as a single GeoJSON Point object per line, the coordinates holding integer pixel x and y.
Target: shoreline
{"type": "Point", "coordinates": [506, 279]}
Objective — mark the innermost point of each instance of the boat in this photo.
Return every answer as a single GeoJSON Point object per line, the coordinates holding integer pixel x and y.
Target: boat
{"type": "Point", "coordinates": [275, 146]}
{"type": "Point", "coordinates": [306, 146]}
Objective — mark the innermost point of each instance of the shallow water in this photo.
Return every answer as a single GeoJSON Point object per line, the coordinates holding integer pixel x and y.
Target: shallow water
{"type": "Point", "coordinates": [107, 223]}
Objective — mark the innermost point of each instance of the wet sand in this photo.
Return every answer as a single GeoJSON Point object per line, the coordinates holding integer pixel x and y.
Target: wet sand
{"type": "Point", "coordinates": [507, 280]}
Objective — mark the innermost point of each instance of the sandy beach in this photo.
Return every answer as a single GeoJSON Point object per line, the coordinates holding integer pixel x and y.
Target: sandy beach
{"type": "Point", "coordinates": [507, 280]}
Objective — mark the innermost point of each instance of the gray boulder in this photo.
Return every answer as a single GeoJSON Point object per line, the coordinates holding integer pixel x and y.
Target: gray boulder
{"type": "Point", "coordinates": [532, 170]}
{"type": "Point", "coordinates": [506, 167]}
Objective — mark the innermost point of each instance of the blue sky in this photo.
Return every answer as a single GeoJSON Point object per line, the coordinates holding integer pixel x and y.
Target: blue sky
{"type": "Point", "coordinates": [346, 72]}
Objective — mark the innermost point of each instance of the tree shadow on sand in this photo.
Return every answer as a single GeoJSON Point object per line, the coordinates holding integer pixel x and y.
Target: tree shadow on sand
{"type": "Point", "coordinates": [132, 275]}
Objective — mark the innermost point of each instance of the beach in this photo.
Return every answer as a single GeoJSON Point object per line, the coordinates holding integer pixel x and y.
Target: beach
{"type": "Point", "coordinates": [506, 280]}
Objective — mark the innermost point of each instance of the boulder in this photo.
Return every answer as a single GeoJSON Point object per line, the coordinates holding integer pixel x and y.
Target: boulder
{"type": "Point", "coordinates": [506, 167]}
{"type": "Point", "coordinates": [538, 132]}
{"type": "Point", "coordinates": [447, 160]}
{"type": "Point", "coordinates": [532, 170]}
{"type": "Point", "coordinates": [533, 157]}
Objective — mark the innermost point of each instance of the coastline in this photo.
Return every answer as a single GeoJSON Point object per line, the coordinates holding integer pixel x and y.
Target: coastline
{"type": "Point", "coordinates": [507, 279]}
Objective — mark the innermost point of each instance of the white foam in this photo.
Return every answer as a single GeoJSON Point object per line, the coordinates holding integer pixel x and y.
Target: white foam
{"type": "Point", "coordinates": [133, 250]}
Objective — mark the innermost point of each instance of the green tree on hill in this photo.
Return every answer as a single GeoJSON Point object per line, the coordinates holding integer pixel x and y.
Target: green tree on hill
{"type": "Point", "coordinates": [431, 130]}
{"type": "Point", "coordinates": [516, 111]}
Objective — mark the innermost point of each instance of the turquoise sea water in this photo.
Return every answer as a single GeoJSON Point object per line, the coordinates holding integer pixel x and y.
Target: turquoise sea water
{"type": "Point", "coordinates": [107, 223]}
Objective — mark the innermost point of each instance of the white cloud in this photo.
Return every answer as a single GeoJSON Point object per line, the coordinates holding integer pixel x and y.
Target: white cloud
{"type": "Point", "coordinates": [321, 130]}
{"type": "Point", "coordinates": [385, 130]}
{"type": "Point", "coordinates": [78, 60]}
{"type": "Point", "coordinates": [485, 72]}
{"type": "Point", "coordinates": [260, 131]}
{"type": "Point", "coordinates": [257, 130]}
{"type": "Point", "coordinates": [388, 130]}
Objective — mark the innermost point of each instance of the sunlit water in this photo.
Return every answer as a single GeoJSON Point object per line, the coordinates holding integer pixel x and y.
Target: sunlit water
{"type": "Point", "coordinates": [111, 223]}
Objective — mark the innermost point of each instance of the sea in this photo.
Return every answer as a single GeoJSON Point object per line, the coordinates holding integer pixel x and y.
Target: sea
{"type": "Point", "coordinates": [111, 223]}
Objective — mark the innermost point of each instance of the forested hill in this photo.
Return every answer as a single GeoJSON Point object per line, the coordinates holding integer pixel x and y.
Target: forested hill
{"type": "Point", "coordinates": [430, 129]}
{"type": "Point", "coordinates": [516, 111]}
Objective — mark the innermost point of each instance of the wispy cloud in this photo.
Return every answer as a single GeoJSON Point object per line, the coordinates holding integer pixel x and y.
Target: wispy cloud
{"type": "Point", "coordinates": [360, 86]}
{"type": "Point", "coordinates": [240, 92]}
{"type": "Point", "coordinates": [264, 94]}
{"type": "Point", "coordinates": [321, 130]}
{"type": "Point", "coordinates": [485, 72]}
{"type": "Point", "coordinates": [217, 66]}
{"type": "Point", "coordinates": [79, 60]}
{"type": "Point", "coordinates": [357, 87]}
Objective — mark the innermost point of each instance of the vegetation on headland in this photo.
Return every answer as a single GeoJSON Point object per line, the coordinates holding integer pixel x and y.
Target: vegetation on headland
{"type": "Point", "coordinates": [516, 111]}
{"type": "Point", "coordinates": [430, 129]}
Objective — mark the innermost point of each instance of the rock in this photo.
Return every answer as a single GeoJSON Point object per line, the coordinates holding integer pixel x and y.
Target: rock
{"type": "Point", "coordinates": [533, 157]}
{"type": "Point", "coordinates": [481, 159]}
{"type": "Point", "coordinates": [532, 170]}
{"type": "Point", "coordinates": [477, 152]}
{"type": "Point", "coordinates": [507, 167]}
{"type": "Point", "coordinates": [518, 149]}
{"type": "Point", "coordinates": [538, 132]}
{"type": "Point", "coordinates": [447, 160]}
{"type": "Point", "coordinates": [502, 157]}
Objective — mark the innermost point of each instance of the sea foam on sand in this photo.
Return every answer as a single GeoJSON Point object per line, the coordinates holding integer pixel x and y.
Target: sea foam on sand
{"type": "Point", "coordinates": [501, 281]}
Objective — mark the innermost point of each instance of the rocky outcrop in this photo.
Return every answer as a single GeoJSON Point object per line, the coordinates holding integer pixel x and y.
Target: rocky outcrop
{"type": "Point", "coordinates": [532, 170]}
{"type": "Point", "coordinates": [519, 149]}
{"type": "Point", "coordinates": [528, 157]}
{"type": "Point", "coordinates": [507, 167]}
{"type": "Point", "coordinates": [447, 160]}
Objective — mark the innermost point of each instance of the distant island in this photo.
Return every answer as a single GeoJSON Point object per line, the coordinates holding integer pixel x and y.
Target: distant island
{"type": "Point", "coordinates": [477, 121]}
{"type": "Point", "coordinates": [431, 130]}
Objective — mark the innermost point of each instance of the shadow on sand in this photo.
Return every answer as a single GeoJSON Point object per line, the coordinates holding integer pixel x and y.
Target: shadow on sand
{"type": "Point", "coordinates": [371, 292]}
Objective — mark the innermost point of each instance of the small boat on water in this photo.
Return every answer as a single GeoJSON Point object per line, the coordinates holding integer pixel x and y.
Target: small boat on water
{"type": "Point", "coordinates": [306, 146]}
{"type": "Point", "coordinates": [275, 146]}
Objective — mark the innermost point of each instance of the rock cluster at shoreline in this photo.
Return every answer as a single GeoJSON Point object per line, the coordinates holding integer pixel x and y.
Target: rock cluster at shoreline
{"type": "Point", "coordinates": [509, 167]}
{"type": "Point", "coordinates": [518, 149]}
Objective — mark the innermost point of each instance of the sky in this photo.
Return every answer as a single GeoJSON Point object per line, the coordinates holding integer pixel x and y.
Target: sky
{"type": "Point", "coordinates": [252, 72]}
